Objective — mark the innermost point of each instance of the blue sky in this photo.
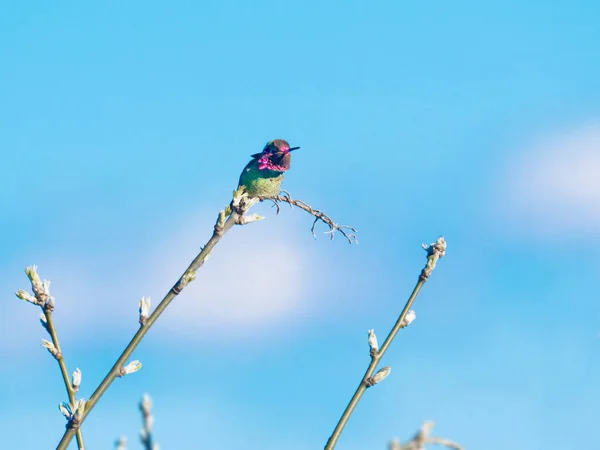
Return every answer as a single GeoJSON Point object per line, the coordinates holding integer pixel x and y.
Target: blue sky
{"type": "Point", "coordinates": [123, 129]}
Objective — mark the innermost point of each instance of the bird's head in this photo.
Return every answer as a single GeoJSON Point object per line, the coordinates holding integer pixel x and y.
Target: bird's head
{"type": "Point", "coordinates": [275, 156]}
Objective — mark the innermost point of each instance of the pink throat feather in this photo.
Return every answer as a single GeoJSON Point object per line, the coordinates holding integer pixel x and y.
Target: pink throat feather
{"type": "Point", "coordinates": [265, 163]}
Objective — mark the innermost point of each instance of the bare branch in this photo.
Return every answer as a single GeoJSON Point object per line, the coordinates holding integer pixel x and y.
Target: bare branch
{"type": "Point", "coordinates": [147, 422]}
{"type": "Point", "coordinates": [121, 443]}
{"type": "Point", "coordinates": [446, 442]}
{"type": "Point", "coordinates": [422, 438]}
{"type": "Point", "coordinates": [347, 231]}
{"type": "Point", "coordinates": [43, 299]}
{"type": "Point", "coordinates": [434, 252]}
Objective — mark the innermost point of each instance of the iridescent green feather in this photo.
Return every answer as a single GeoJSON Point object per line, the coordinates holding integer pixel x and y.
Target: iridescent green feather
{"type": "Point", "coordinates": [260, 183]}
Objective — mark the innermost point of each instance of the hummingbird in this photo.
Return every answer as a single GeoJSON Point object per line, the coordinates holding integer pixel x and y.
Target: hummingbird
{"type": "Point", "coordinates": [263, 175]}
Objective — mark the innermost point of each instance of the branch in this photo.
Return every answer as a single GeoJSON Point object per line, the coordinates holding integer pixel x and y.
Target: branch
{"type": "Point", "coordinates": [43, 299]}
{"type": "Point", "coordinates": [434, 252]}
{"type": "Point", "coordinates": [441, 441]}
{"type": "Point", "coordinates": [148, 422]}
{"type": "Point", "coordinates": [234, 214]}
{"type": "Point", "coordinates": [121, 443]}
{"type": "Point", "coordinates": [347, 231]}
{"type": "Point", "coordinates": [423, 437]}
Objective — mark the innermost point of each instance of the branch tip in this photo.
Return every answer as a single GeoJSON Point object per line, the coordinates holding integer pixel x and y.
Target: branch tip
{"type": "Point", "coordinates": [144, 310]}
{"type": "Point", "coordinates": [347, 231]}
{"type": "Point", "coordinates": [435, 251]}
{"type": "Point", "coordinates": [409, 318]}
{"type": "Point", "coordinates": [130, 368]}
{"type": "Point", "coordinates": [421, 438]}
{"type": "Point", "coordinates": [373, 344]}
{"type": "Point", "coordinates": [76, 379]}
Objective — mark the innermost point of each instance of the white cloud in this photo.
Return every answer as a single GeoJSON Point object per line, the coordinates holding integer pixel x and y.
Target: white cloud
{"type": "Point", "coordinates": [255, 280]}
{"type": "Point", "coordinates": [553, 186]}
{"type": "Point", "coordinates": [260, 277]}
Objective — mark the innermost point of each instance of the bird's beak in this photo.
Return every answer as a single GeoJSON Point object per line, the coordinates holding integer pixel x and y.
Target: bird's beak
{"type": "Point", "coordinates": [256, 155]}
{"type": "Point", "coordinates": [293, 148]}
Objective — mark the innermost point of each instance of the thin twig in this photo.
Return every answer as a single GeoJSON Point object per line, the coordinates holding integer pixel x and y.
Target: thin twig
{"type": "Point", "coordinates": [45, 301]}
{"type": "Point", "coordinates": [147, 423]}
{"type": "Point", "coordinates": [63, 369]}
{"type": "Point", "coordinates": [434, 252]}
{"type": "Point", "coordinates": [121, 443]}
{"type": "Point", "coordinates": [446, 442]}
{"type": "Point", "coordinates": [347, 231]}
{"type": "Point", "coordinates": [234, 214]}
{"type": "Point", "coordinates": [422, 438]}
